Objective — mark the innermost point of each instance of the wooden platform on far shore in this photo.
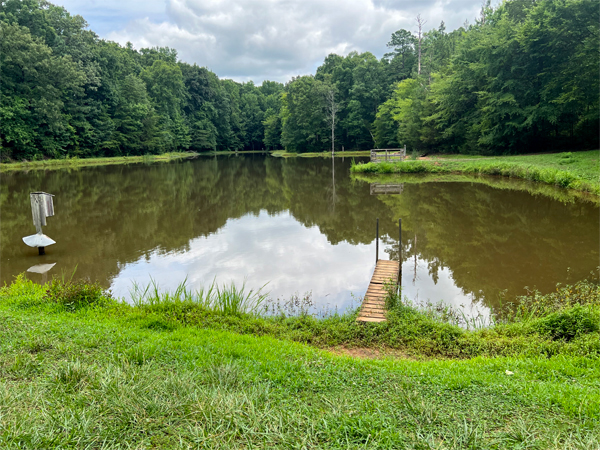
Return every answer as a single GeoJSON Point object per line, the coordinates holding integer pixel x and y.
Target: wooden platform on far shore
{"type": "Point", "coordinates": [373, 306]}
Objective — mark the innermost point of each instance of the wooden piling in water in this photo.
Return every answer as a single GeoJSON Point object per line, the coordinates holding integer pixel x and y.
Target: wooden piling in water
{"type": "Point", "coordinates": [377, 242]}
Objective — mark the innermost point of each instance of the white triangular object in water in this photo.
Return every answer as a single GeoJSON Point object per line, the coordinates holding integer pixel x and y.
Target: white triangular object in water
{"type": "Point", "coordinates": [38, 240]}
{"type": "Point", "coordinates": [41, 268]}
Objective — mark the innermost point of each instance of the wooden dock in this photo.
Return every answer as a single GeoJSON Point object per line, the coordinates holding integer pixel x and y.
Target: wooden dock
{"type": "Point", "coordinates": [388, 154]}
{"type": "Point", "coordinates": [373, 306]}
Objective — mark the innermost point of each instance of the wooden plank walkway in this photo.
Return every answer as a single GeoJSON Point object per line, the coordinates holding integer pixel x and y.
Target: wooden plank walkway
{"type": "Point", "coordinates": [373, 306]}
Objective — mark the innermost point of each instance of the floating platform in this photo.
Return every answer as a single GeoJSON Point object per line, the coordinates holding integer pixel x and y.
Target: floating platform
{"type": "Point", "coordinates": [373, 306]}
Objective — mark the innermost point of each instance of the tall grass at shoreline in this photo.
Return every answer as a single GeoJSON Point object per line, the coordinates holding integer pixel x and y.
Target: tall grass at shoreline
{"type": "Point", "coordinates": [227, 299]}
{"type": "Point", "coordinates": [533, 325]}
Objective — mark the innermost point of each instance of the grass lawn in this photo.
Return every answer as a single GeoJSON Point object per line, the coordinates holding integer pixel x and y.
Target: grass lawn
{"type": "Point", "coordinates": [104, 375]}
{"type": "Point", "coordinates": [84, 162]}
{"type": "Point", "coordinates": [576, 170]}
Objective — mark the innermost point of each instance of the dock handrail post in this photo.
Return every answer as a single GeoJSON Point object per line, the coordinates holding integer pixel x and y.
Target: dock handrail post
{"type": "Point", "coordinates": [399, 255]}
{"type": "Point", "coordinates": [377, 242]}
{"type": "Point", "coordinates": [400, 240]}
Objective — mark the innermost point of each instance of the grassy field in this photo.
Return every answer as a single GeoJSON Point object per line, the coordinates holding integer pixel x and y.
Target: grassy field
{"type": "Point", "coordinates": [84, 162]}
{"type": "Point", "coordinates": [577, 170]}
{"type": "Point", "coordinates": [79, 370]}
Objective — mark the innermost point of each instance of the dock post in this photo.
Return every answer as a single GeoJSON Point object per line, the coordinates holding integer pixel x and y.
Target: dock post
{"type": "Point", "coordinates": [400, 255]}
{"type": "Point", "coordinates": [377, 242]}
{"type": "Point", "coordinates": [399, 240]}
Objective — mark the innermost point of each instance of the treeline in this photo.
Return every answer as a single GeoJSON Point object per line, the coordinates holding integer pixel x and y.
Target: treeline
{"type": "Point", "coordinates": [523, 78]}
{"type": "Point", "coordinates": [65, 92]}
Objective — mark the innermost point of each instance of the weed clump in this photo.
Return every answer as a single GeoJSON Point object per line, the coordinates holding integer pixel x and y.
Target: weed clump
{"type": "Point", "coordinates": [227, 299]}
{"type": "Point", "coordinates": [569, 324]}
{"type": "Point", "coordinates": [536, 305]}
{"type": "Point", "coordinates": [73, 295]}
{"type": "Point", "coordinates": [71, 375]}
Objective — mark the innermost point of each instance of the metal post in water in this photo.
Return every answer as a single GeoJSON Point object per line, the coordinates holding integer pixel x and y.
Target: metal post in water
{"type": "Point", "coordinates": [377, 242]}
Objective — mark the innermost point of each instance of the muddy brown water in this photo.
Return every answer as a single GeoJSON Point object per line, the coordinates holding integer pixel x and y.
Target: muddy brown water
{"type": "Point", "coordinates": [303, 227]}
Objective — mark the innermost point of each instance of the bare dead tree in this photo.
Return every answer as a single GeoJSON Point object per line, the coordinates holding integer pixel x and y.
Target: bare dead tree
{"type": "Point", "coordinates": [486, 8]}
{"type": "Point", "coordinates": [332, 110]}
{"type": "Point", "coordinates": [420, 23]}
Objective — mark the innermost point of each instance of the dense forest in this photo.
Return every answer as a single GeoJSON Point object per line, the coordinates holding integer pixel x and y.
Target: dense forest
{"type": "Point", "coordinates": [522, 78]}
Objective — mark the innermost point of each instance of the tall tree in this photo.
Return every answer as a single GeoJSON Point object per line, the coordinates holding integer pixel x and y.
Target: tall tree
{"type": "Point", "coordinates": [332, 108]}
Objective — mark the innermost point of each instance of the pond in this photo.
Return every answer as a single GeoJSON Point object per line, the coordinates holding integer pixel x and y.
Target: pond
{"type": "Point", "coordinates": [304, 227]}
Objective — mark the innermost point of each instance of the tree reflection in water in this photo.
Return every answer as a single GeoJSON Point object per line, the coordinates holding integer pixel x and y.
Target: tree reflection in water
{"type": "Point", "coordinates": [485, 240]}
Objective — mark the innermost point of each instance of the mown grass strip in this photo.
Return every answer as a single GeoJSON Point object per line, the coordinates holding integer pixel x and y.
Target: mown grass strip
{"type": "Point", "coordinates": [47, 164]}
{"type": "Point", "coordinates": [579, 171]}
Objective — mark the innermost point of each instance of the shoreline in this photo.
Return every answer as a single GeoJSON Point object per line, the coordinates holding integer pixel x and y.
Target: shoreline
{"type": "Point", "coordinates": [494, 181]}
{"type": "Point", "coordinates": [88, 162]}
{"type": "Point", "coordinates": [576, 171]}
{"type": "Point", "coordinates": [76, 162]}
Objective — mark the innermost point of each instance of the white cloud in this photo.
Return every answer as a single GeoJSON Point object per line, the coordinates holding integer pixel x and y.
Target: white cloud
{"type": "Point", "coordinates": [266, 39]}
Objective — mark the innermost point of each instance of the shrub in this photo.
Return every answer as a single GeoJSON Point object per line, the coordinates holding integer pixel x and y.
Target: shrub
{"type": "Point", "coordinates": [568, 324]}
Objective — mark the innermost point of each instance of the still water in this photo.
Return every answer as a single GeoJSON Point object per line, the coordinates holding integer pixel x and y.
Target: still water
{"type": "Point", "coordinates": [301, 226]}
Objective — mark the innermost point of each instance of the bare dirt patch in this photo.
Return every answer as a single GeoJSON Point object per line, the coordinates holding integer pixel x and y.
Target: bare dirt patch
{"type": "Point", "coordinates": [369, 353]}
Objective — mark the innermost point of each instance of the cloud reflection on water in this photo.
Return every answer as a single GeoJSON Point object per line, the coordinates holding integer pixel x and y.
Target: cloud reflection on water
{"type": "Point", "coordinates": [290, 257]}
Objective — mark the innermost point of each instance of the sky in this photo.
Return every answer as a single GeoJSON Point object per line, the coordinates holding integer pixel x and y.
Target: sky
{"type": "Point", "coordinates": [265, 39]}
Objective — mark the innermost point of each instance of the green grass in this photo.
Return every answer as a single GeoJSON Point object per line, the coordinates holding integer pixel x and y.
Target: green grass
{"type": "Point", "coordinates": [228, 299]}
{"type": "Point", "coordinates": [108, 375]}
{"type": "Point", "coordinates": [430, 330]}
{"type": "Point", "coordinates": [84, 162]}
{"type": "Point", "coordinates": [577, 170]}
